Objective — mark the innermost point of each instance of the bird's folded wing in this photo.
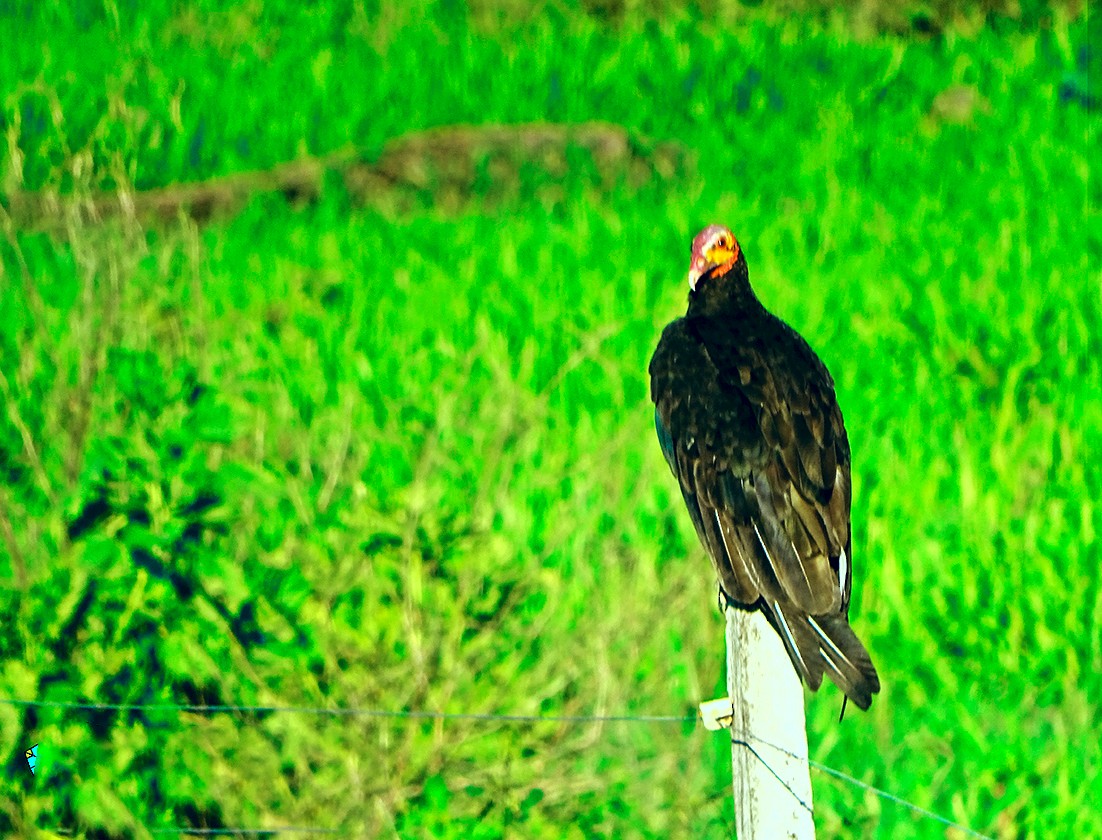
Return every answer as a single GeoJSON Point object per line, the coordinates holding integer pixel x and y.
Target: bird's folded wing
{"type": "Point", "coordinates": [763, 463]}
{"type": "Point", "coordinates": [801, 489]}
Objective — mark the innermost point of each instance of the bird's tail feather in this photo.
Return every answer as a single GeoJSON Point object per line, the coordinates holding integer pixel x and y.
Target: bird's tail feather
{"type": "Point", "coordinates": [826, 644]}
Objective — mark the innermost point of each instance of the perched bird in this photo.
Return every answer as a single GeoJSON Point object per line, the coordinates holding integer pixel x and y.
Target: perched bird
{"type": "Point", "coordinates": [748, 421]}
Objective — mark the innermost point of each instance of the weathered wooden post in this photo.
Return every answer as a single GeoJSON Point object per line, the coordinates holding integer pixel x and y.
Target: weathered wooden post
{"type": "Point", "coordinates": [765, 715]}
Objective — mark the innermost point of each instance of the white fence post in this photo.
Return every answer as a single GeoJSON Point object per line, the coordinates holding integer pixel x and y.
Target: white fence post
{"type": "Point", "coordinates": [766, 708]}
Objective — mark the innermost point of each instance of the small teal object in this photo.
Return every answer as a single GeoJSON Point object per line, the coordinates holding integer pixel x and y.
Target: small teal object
{"type": "Point", "coordinates": [32, 758]}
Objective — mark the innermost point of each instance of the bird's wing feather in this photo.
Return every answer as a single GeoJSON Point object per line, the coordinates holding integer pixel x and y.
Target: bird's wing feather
{"type": "Point", "coordinates": [759, 451]}
{"type": "Point", "coordinates": [688, 424]}
{"type": "Point", "coordinates": [799, 493]}
{"type": "Point", "coordinates": [750, 426]}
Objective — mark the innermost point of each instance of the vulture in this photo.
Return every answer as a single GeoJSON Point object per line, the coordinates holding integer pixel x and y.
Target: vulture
{"type": "Point", "coordinates": [749, 423]}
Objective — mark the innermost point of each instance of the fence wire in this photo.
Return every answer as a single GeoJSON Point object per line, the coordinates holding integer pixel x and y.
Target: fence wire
{"type": "Point", "coordinates": [420, 714]}
{"type": "Point", "coordinates": [254, 832]}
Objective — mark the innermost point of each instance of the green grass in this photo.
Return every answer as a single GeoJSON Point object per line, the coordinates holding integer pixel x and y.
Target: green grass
{"type": "Point", "coordinates": [357, 457]}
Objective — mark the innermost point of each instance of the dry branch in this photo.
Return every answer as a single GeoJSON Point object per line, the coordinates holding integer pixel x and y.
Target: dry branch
{"type": "Point", "coordinates": [447, 165]}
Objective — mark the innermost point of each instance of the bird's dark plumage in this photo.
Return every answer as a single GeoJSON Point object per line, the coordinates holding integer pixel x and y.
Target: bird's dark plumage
{"type": "Point", "coordinates": [748, 421]}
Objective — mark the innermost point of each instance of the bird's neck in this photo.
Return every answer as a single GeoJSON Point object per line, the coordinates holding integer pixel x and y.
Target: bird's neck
{"type": "Point", "coordinates": [723, 294]}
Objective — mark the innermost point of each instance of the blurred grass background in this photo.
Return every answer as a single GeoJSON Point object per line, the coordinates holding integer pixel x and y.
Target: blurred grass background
{"type": "Point", "coordinates": [397, 452]}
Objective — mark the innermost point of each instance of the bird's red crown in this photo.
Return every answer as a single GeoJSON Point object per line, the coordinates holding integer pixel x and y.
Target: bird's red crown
{"type": "Point", "coordinates": [714, 246]}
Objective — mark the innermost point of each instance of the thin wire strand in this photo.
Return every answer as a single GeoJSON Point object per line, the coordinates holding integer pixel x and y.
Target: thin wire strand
{"type": "Point", "coordinates": [891, 797]}
{"type": "Point", "coordinates": [207, 832]}
{"type": "Point", "coordinates": [354, 712]}
{"type": "Point", "coordinates": [774, 773]}
{"type": "Point", "coordinates": [480, 716]}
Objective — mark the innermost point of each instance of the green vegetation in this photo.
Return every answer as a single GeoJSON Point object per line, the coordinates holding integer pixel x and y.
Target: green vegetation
{"type": "Point", "coordinates": [400, 455]}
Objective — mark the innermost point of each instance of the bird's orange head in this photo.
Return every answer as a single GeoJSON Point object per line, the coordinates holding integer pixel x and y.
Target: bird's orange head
{"type": "Point", "coordinates": [714, 246]}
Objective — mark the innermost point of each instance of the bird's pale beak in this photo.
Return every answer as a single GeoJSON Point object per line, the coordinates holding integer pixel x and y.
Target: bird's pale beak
{"type": "Point", "coordinates": [697, 267]}
{"type": "Point", "coordinates": [718, 255]}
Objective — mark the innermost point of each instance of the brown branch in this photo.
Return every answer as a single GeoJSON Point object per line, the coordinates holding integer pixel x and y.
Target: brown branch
{"type": "Point", "coordinates": [451, 161]}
